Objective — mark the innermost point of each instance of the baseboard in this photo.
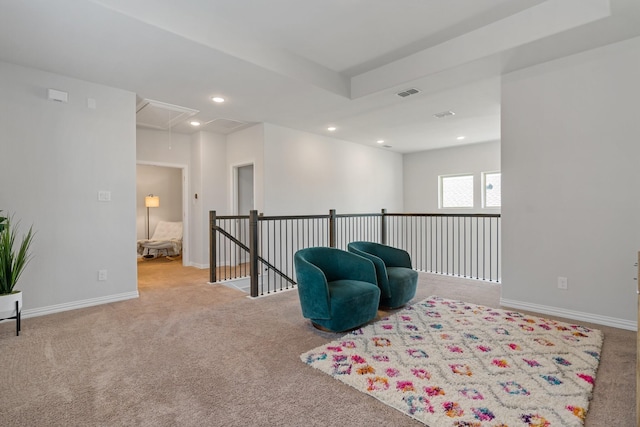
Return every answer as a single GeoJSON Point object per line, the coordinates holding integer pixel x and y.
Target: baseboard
{"type": "Point", "coordinates": [78, 304]}
{"type": "Point", "coordinates": [570, 314]}
{"type": "Point", "coordinates": [200, 266]}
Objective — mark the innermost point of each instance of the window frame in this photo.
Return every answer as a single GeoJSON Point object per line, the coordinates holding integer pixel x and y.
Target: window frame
{"type": "Point", "coordinates": [441, 179]}
{"type": "Point", "coordinates": [484, 189]}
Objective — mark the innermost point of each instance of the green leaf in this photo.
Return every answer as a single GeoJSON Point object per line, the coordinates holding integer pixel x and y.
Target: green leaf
{"type": "Point", "coordinates": [12, 260]}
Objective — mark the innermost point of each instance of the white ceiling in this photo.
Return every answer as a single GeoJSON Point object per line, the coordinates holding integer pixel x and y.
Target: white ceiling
{"type": "Point", "coordinates": [308, 64]}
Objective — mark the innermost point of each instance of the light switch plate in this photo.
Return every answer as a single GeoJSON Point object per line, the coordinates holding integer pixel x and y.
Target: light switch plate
{"type": "Point", "coordinates": [104, 196]}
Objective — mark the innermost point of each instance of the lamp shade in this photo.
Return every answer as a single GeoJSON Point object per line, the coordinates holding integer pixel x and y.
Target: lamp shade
{"type": "Point", "coordinates": [152, 201]}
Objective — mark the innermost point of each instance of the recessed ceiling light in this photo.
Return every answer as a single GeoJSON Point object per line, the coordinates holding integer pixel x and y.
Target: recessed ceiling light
{"type": "Point", "coordinates": [217, 99]}
{"type": "Point", "coordinates": [331, 128]}
{"type": "Point", "coordinates": [380, 141]}
{"type": "Point", "coordinates": [460, 138]}
{"type": "Point", "coordinates": [195, 123]}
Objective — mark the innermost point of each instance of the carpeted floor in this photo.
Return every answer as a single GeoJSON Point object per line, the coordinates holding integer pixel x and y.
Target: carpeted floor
{"type": "Point", "coordinates": [187, 353]}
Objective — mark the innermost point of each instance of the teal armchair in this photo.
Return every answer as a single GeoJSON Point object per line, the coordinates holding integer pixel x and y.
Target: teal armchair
{"type": "Point", "coordinates": [395, 276]}
{"type": "Point", "coordinates": [337, 289]}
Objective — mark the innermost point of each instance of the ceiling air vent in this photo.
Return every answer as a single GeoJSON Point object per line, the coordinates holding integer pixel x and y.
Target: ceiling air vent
{"type": "Point", "coordinates": [226, 124]}
{"type": "Point", "coordinates": [444, 114]}
{"type": "Point", "coordinates": [408, 92]}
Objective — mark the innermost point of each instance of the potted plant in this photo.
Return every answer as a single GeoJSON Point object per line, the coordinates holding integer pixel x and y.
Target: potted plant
{"type": "Point", "coordinates": [13, 260]}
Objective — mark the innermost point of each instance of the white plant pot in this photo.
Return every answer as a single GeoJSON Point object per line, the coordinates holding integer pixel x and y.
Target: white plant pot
{"type": "Point", "coordinates": [8, 304]}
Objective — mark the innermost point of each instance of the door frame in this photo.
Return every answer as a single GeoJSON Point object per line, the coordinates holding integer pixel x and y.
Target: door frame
{"type": "Point", "coordinates": [241, 256]}
{"type": "Point", "coordinates": [186, 254]}
{"type": "Point", "coordinates": [235, 186]}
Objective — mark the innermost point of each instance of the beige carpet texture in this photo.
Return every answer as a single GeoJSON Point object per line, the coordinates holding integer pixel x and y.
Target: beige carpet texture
{"type": "Point", "coordinates": [188, 353]}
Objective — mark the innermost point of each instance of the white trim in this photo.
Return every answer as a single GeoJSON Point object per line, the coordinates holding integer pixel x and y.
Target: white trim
{"type": "Point", "coordinates": [483, 189]}
{"type": "Point", "coordinates": [274, 292]}
{"type": "Point", "coordinates": [570, 314]}
{"type": "Point", "coordinates": [78, 304]}
{"type": "Point", "coordinates": [231, 283]}
{"type": "Point", "coordinates": [163, 164]}
{"type": "Point", "coordinates": [200, 266]}
{"type": "Point", "coordinates": [234, 185]}
{"type": "Point", "coordinates": [441, 179]}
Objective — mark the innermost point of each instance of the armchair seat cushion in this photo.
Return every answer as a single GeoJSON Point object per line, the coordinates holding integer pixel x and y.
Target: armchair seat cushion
{"type": "Point", "coordinates": [404, 281]}
{"type": "Point", "coordinates": [350, 304]}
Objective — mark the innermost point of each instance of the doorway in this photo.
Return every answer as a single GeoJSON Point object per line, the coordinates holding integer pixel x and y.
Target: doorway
{"type": "Point", "coordinates": [243, 203]}
{"type": "Point", "coordinates": [169, 183]}
{"type": "Point", "coordinates": [244, 189]}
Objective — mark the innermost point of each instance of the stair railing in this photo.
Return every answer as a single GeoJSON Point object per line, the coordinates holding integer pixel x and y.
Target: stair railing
{"type": "Point", "coordinates": [261, 248]}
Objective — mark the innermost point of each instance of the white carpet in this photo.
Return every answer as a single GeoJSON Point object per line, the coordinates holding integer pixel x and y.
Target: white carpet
{"type": "Point", "coordinates": [449, 363]}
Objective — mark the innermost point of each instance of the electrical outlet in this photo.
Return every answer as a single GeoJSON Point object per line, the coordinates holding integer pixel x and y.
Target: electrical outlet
{"type": "Point", "coordinates": [102, 275]}
{"type": "Point", "coordinates": [563, 283]}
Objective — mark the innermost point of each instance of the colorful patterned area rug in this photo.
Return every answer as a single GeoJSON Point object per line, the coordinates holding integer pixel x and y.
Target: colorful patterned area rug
{"type": "Point", "coordinates": [449, 363]}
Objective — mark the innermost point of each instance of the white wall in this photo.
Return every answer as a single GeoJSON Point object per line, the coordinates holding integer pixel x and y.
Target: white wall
{"type": "Point", "coordinates": [570, 181]}
{"type": "Point", "coordinates": [362, 179]}
{"type": "Point", "coordinates": [162, 147]}
{"type": "Point", "coordinates": [203, 154]}
{"type": "Point", "coordinates": [210, 158]}
{"type": "Point", "coordinates": [421, 172]}
{"type": "Point", "coordinates": [209, 181]}
{"type": "Point", "coordinates": [55, 158]}
{"type": "Point", "coordinates": [161, 181]}
{"type": "Point", "coordinates": [311, 174]}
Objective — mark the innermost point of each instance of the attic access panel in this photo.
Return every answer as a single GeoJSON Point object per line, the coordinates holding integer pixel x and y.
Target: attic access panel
{"type": "Point", "coordinates": [160, 115]}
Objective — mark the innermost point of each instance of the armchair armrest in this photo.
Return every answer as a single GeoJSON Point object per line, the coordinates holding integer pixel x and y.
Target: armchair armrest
{"type": "Point", "coordinates": [312, 288]}
{"type": "Point", "coordinates": [381, 269]}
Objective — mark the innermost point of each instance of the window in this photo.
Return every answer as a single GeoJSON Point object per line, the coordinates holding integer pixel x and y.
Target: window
{"type": "Point", "coordinates": [456, 191]}
{"type": "Point", "coordinates": [492, 190]}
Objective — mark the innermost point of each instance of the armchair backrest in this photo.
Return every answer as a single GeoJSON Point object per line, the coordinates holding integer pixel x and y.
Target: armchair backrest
{"type": "Point", "coordinates": [167, 231]}
{"type": "Point", "coordinates": [337, 264]}
{"type": "Point", "coordinates": [392, 257]}
{"type": "Point", "coordinates": [382, 256]}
